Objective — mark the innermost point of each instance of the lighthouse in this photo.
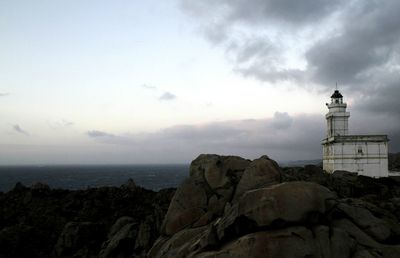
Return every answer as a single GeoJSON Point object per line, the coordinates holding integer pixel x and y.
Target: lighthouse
{"type": "Point", "coordinates": [337, 117]}
{"type": "Point", "coordinates": [362, 154]}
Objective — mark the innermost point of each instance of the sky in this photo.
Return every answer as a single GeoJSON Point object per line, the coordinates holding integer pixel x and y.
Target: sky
{"type": "Point", "coordinates": [145, 82]}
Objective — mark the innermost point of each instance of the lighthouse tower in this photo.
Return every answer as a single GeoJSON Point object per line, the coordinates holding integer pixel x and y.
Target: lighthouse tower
{"type": "Point", "coordinates": [362, 154]}
{"type": "Point", "coordinates": [337, 117]}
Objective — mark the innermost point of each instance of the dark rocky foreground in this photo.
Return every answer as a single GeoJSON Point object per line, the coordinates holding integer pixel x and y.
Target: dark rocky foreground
{"type": "Point", "coordinates": [100, 222]}
{"type": "Point", "coordinates": [232, 207]}
{"type": "Point", "coordinates": [228, 207]}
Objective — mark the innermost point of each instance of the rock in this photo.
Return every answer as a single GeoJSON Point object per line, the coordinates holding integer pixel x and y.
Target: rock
{"type": "Point", "coordinates": [19, 187]}
{"type": "Point", "coordinates": [275, 206]}
{"type": "Point", "coordinates": [19, 241]}
{"type": "Point", "coordinates": [287, 202]}
{"type": "Point", "coordinates": [145, 236]}
{"type": "Point", "coordinates": [348, 184]}
{"type": "Point", "coordinates": [210, 187]}
{"type": "Point", "coordinates": [260, 173]}
{"type": "Point", "coordinates": [309, 173]}
{"type": "Point", "coordinates": [79, 239]}
{"type": "Point", "coordinates": [40, 187]}
{"type": "Point", "coordinates": [363, 218]}
{"type": "Point", "coordinates": [216, 205]}
{"type": "Point", "coordinates": [366, 254]}
{"type": "Point", "coordinates": [289, 242]}
{"type": "Point", "coordinates": [186, 207]}
{"type": "Point", "coordinates": [243, 210]}
{"type": "Point", "coordinates": [122, 242]}
{"type": "Point", "coordinates": [394, 161]}
{"type": "Point", "coordinates": [130, 184]}
{"type": "Point", "coordinates": [216, 168]}
{"type": "Point", "coordinates": [221, 173]}
{"type": "Point", "coordinates": [356, 233]}
{"type": "Point", "coordinates": [179, 245]}
{"type": "Point", "coordinates": [40, 222]}
{"type": "Point", "coordinates": [332, 242]}
{"type": "Point", "coordinates": [121, 222]}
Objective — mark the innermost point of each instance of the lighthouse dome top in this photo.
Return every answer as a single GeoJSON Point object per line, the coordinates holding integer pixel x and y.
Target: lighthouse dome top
{"type": "Point", "coordinates": [336, 95]}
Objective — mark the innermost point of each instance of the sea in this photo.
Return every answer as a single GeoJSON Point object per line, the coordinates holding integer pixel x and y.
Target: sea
{"type": "Point", "coordinates": [154, 177]}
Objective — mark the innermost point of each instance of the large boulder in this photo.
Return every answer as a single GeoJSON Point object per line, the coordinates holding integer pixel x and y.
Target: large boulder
{"type": "Point", "coordinates": [221, 173]}
{"type": "Point", "coordinates": [363, 218]}
{"type": "Point", "coordinates": [180, 245]}
{"type": "Point", "coordinates": [287, 202]}
{"type": "Point", "coordinates": [275, 206]}
{"type": "Point", "coordinates": [187, 206]}
{"type": "Point", "coordinates": [367, 245]}
{"type": "Point", "coordinates": [232, 207]}
{"type": "Point", "coordinates": [288, 242]}
{"type": "Point", "coordinates": [122, 243]}
{"type": "Point", "coordinates": [260, 173]}
{"type": "Point", "coordinates": [210, 186]}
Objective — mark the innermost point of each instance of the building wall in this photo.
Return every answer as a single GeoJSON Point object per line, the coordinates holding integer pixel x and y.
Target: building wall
{"type": "Point", "coordinates": [369, 158]}
{"type": "Point", "coordinates": [337, 125]}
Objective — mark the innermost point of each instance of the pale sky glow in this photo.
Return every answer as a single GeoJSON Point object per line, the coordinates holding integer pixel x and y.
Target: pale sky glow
{"type": "Point", "coordinates": [89, 81]}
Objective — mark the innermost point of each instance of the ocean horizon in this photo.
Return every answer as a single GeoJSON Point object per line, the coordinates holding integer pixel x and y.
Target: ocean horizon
{"type": "Point", "coordinates": [75, 177]}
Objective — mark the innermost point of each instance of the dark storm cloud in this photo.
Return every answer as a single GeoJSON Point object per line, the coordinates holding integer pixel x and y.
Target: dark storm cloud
{"type": "Point", "coordinates": [285, 11]}
{"type": "Point", "coordinates": [222, 14]}
{"type": "Point", "coordinates": [364, 40]}
{"type": "Point", "coordinates": [281, 137]}
{"type": "Point", "coordinates": [355, 43]}
{"type": "Point", "coordinates": [167, 96]}
{"type": "Point", "coordinates": [18, 129]}
{"type": "Point", "coordinates": [383, 97]}
{"type": "Point", "coordinates": [369, 40]}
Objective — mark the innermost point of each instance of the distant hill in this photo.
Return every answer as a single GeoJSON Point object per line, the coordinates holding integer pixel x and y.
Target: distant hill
{"type": "Point", "coordinates": [394, 162]}
{"type": "Point", "coordinates": [300, 163]}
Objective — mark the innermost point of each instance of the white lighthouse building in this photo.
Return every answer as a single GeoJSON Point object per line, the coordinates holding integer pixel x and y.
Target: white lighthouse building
{"type": "Point", "coordinates": [363, 154]}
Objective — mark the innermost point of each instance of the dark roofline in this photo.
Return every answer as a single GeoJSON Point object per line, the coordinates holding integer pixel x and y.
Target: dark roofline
{"type": "Point", "coordinates": [336, 95]}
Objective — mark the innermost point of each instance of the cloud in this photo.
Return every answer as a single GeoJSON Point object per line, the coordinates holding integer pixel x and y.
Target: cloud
{"type": "Point", "coordinates": [283, 137]}
{"type": "Point", "coordinates": [282, 120]}
{"type": "Point", "coordinates": [167, 96]}
{"type": "Point", "coordinates": [219, 17]}
{"type": "Point", "coordinates": [18, 129]}
{"type": "Point", "coordinates": [329, 41]}
{"type": "Point", "coordinates": [4, 94]}
{"type": "Point", "coordinates": [110, 138]}
{"type": "Point", "coordinates": [313, 44]}
{"type": "Point", "coordinates": [149, 87]}
{"type": "Point", "coordinates": [57, 124]}
{"type": "Point", "coordinates": [96, 134]}
{"type": "Point", "coordinates": [368, 41]}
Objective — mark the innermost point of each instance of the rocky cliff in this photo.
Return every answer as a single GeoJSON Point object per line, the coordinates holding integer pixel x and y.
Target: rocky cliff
{"type": "Point", "coordinates": [39, 222]}
{"type": "Point", "coordinates": [233, 207]}
{"type": "Point", "coordinates": [227, 207]}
